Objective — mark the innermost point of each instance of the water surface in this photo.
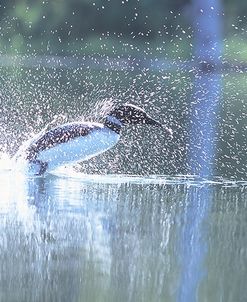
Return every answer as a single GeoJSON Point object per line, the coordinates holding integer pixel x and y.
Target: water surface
{"type": "Point", "coordinates": [77, 237]}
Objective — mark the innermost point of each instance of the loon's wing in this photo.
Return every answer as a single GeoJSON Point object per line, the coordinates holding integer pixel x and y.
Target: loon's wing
{"type": "Point", "coordinates": [58, 135]}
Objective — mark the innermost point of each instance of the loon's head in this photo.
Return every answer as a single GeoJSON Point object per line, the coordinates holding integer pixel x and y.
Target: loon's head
{"type": "Point", "coordinates": [131, 114]}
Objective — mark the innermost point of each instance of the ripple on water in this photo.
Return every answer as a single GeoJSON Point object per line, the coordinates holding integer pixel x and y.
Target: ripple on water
{"type": "Point", "coordinates": [191, 180]}
{"type": "Point", "coordinates": [7, 167]}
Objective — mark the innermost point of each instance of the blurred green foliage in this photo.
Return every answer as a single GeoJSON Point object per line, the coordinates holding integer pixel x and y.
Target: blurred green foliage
{"type": "Point", "coordinates": [104, 27]}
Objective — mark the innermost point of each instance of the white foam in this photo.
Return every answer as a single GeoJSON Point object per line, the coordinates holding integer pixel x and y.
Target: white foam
{"type": "Point", "coordinates": [6, 163]}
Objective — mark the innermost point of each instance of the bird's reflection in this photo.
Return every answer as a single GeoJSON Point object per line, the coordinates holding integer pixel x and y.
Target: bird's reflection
{"type": "Point", "coordinates": [74, 214]}
{"type": "Point", "coordinates": [57, 228]}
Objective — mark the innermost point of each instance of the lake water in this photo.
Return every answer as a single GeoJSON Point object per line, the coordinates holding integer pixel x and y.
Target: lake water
{"type": "Point", "coordinates": [77, 237]}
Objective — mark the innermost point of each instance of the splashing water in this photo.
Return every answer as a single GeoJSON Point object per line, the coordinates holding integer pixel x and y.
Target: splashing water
{"type": "Point", "coordinates": [101, 109]}
{"type": "Point", "coordinates": [6, 163]}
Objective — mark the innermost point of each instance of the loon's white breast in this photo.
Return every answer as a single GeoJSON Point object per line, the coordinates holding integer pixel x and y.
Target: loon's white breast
{"type": "Point", "coordinates": [63, 150]}
{"type": "Point", "coordinates": [79, 149]}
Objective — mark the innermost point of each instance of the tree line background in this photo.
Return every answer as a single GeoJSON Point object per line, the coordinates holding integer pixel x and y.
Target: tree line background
{"type": "Point", "coordinates": [122, 27]}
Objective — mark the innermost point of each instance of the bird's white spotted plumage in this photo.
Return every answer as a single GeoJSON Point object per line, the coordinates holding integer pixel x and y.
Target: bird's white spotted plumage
{"type": "Point", "coordinates": [80, 148]}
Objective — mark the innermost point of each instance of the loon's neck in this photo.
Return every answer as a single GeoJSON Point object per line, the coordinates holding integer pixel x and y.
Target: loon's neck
{"type": "Point", "coordinates": [113, 123]}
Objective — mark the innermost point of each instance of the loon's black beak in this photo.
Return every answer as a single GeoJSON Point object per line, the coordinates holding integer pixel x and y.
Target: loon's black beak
{"type": "Point", "coordinates": [168, 132]}
{"type": "Point", "coordinates": [151, 121]}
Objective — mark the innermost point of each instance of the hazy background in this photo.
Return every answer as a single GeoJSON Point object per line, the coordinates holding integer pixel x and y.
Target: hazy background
{"type": "Point", "coordinates": [80, 27]}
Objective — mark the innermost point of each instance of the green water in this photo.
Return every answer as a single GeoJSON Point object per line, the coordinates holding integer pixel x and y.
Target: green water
{"type": "Point", "coordinates": [122, 238]}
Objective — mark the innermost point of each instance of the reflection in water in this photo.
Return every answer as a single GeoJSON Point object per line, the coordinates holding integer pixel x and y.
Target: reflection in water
{"type": "Point", "coordinates": [65, 239]}
{"type": "Point", "coordinates": [204, 111]}
{"type": "Point", "coordinates": [192, 242]}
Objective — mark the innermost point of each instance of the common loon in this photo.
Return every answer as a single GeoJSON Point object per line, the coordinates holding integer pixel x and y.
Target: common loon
{"type": "Point", "coordinates": [74, 142]}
